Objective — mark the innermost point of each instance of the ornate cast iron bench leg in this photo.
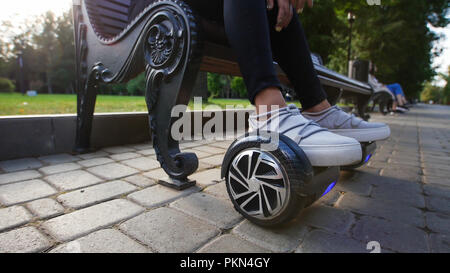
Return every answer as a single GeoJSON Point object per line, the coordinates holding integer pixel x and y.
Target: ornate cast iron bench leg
{"type": "Point", "coordinates": [164, 41]}
{"type": "Point", "coordinates": [173, 56]}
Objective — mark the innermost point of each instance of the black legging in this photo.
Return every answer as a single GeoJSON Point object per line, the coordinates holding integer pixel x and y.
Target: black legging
{"type": "Point", "coordinates": [250, 29]}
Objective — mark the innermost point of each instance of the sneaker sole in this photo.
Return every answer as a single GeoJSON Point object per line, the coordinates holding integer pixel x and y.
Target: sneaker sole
{"type": "Point", "coordinates": [333, 155]}
{"type": "Point", "coordinates": [365, 135]}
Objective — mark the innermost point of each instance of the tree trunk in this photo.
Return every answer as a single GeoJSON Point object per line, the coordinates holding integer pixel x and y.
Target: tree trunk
{"type": "Point", "coordinates": [49, 84]}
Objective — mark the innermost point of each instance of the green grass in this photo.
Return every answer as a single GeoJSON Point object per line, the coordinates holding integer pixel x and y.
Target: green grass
{"type": "Point", "coordinates": [15, 104]}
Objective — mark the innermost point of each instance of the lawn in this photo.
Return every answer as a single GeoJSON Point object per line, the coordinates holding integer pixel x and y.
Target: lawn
{"type": "Point", "coordinates": [16, 104]}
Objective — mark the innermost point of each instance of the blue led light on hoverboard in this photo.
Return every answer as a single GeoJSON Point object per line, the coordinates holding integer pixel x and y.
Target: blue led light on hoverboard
{"type": "Point", "coordinates": [368, 158]}
{"type": "Point", "coordinates": [330, 187]}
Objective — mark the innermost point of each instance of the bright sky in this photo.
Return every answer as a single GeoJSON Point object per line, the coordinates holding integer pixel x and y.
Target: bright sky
{"type": "Point", "coordinates": [18, 10]}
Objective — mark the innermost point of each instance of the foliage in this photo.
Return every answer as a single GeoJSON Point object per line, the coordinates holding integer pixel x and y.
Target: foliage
{"type": "Point", "coordinates": [446, 89]}
{"type": "Point", "coordinates": [238, 86]}
{"type": "Point", "coordinates": [215, 84]}
{"type": "Point", "coordinates": [6, 86]}
{"type": "Point", "coordinates": [431, 92]}
{"type": "Point", "coordinates": [136, 87]}
{"type": "Point", "coordinates": [395, 36]}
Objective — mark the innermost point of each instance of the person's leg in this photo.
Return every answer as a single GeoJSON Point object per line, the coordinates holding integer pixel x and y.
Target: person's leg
{"type": "Point", "coordinates": [397, 90]}
{"type": "Point", "coordinates": [248, 31]}
{"type": "Point", "coordinates": [292, 53]}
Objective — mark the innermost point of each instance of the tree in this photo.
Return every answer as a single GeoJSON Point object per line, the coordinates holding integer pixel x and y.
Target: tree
{"type": "Point", "coordinates": [446, 89]}
{"type": "Point", "coordinates": [431, 92]}
{"type": "Point", "coordinates": [238, 86]}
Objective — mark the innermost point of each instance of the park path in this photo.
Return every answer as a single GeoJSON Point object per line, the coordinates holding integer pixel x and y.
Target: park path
{"type": "Point", "coordinates": [109, 202]}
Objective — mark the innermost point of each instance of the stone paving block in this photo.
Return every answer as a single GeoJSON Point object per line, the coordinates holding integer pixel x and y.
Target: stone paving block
{"type": "Point", "coordinates": [45, 208]}
{"type": "Point", "coordinates": [102, 241]}
{"type": "Point", "coordinates": [440, 166]}
{"type": "Point", "coordinates": [332, 219]}
{"type": "Point", "coordinates": [140, 181]}
{"type": "Point", "coordinates": [223, 145]}
{"type": "Point", "coordinates": [144, 146]}
{"type": "Point", "coordinates": [95, 194]}
{"type": "Point", "coordinates": [440, 243]}
{"type": "Point", "coordinates": [60, 168]}
{"type": "Point", "coordinates": [82, 222]}
{"type": "Point", "coordinates": [23, 240]}
{"type": "Point", "coordinates": [437, 190]}
{"type": "Point", "coordinates": [404, 173]}
{"type": "Point", "coordinates": [394, 236]}
{"type": "Point", "coordinates": [318, 241]}
{"type": "Point", "coordinates": [93, 155]}
{"type": "Point", "coordinates": [17, 193]}
{"type": "Point", "coordinates": [354, 186]}
{"type": "Point", "coordinates": [231, 244]}
{"type": "Point", "coordinates": [118, 150]}
{"type": "Point", "coordinates": [13, 217]}
{"type": "Point", "coordinates": [207, 178]}
{"type": "Point", "coordinates": [369, 175]}
{"type": "Point", "coordinates": [215, 161]}
{"type": "Point", "coordinates": [200, 154]}
{"type": "Point", "coordinates": [156, 175]}
{"type": "Point", "coordinates": [112, 171]}
{"type": "Point", "coordinates": [437, 181]}
{"type": "Point", "coordinates": [377, 164]}
{"type": "Point", "coordinates": [378, 157]}
{"type": "Point", "coordinates": [20, 164]}
{"type": "Point", "coordinates": [159, 195]}
{"type": "Point", "coordinates": [437, 172]}
{"type": "Point", "coordinates": [203, 166]}
{"type": "Point", "coordinates": [433, 159]}
{"type": "Point", "coordinates": [58, 159]}
{"type": "Point", "coordinates": [218, 190]}
{"type": "Point", "coordinates": [210, 150]}
{"type": "Point", "coordinates": [147, 152]}
{"type": "Point", "coordinates": [393, 211]}
{"type": "Point", "coordinates": [188, 145]}
{"type": "Point", "coordinates": [438, 204]}
{"type": "Point", "coordinates": [217, 212]}
{"type": "Point", "coordinates": [437, 222]}
{"type": "Point", "coordinates": [408, 193]}
{"type": "Point", "coordinates": [167, 230]}
{"type": "Point", "coordinates": [397, 163]}
{"type": "Point", "coordinates": [331, 199]}
{"type": "Point", "coordinates": [143, 163]}
{"type": "Point", "coordinates": [18, 176]}
{"type": "Point", "coordinates": [95, 162]}
{"type": "Point", "coordinates": [284, 239]}
{"type": "Point", "coordinates": [125, 156]}
{"type": "Point", "coordinates": [73, 180]}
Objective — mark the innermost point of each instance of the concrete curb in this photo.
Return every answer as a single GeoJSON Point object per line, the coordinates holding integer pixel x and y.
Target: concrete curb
{"type": "Point", "coordinates": [33, 136]}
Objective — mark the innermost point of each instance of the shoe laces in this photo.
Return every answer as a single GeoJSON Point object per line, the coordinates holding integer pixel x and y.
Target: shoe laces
{"type": "Point", "coordinates": [354, 120]}
{"type": "Point", "coordinates": [304, 126]}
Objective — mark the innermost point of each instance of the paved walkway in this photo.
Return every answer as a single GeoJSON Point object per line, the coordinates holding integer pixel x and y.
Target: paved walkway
{"type": "Point", "coordinates": [109, 202]}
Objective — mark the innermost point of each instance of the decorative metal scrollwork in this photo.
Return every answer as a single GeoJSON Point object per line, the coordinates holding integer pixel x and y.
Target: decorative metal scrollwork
{"type": "Point", "coordinates": [165, 44]}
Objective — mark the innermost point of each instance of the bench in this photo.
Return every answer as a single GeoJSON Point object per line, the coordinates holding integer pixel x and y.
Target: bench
{"type": "Point", "coordinates": [116, 40]}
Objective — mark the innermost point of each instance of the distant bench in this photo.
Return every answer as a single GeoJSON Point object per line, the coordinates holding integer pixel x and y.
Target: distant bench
{"type": "Point", "coordinates": [118, 39]}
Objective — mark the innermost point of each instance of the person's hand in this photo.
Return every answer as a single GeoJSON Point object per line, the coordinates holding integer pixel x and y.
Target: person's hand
{"type": "Point", "coordinates": [285, 10]}
{"type": "Point", "coordinates": [299, 5]}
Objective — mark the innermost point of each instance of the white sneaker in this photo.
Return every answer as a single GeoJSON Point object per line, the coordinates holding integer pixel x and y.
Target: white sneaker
{"type": "Point", "coordinates": [344, 124]}
{"type": "Point", "coordinates": [322, 147]}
